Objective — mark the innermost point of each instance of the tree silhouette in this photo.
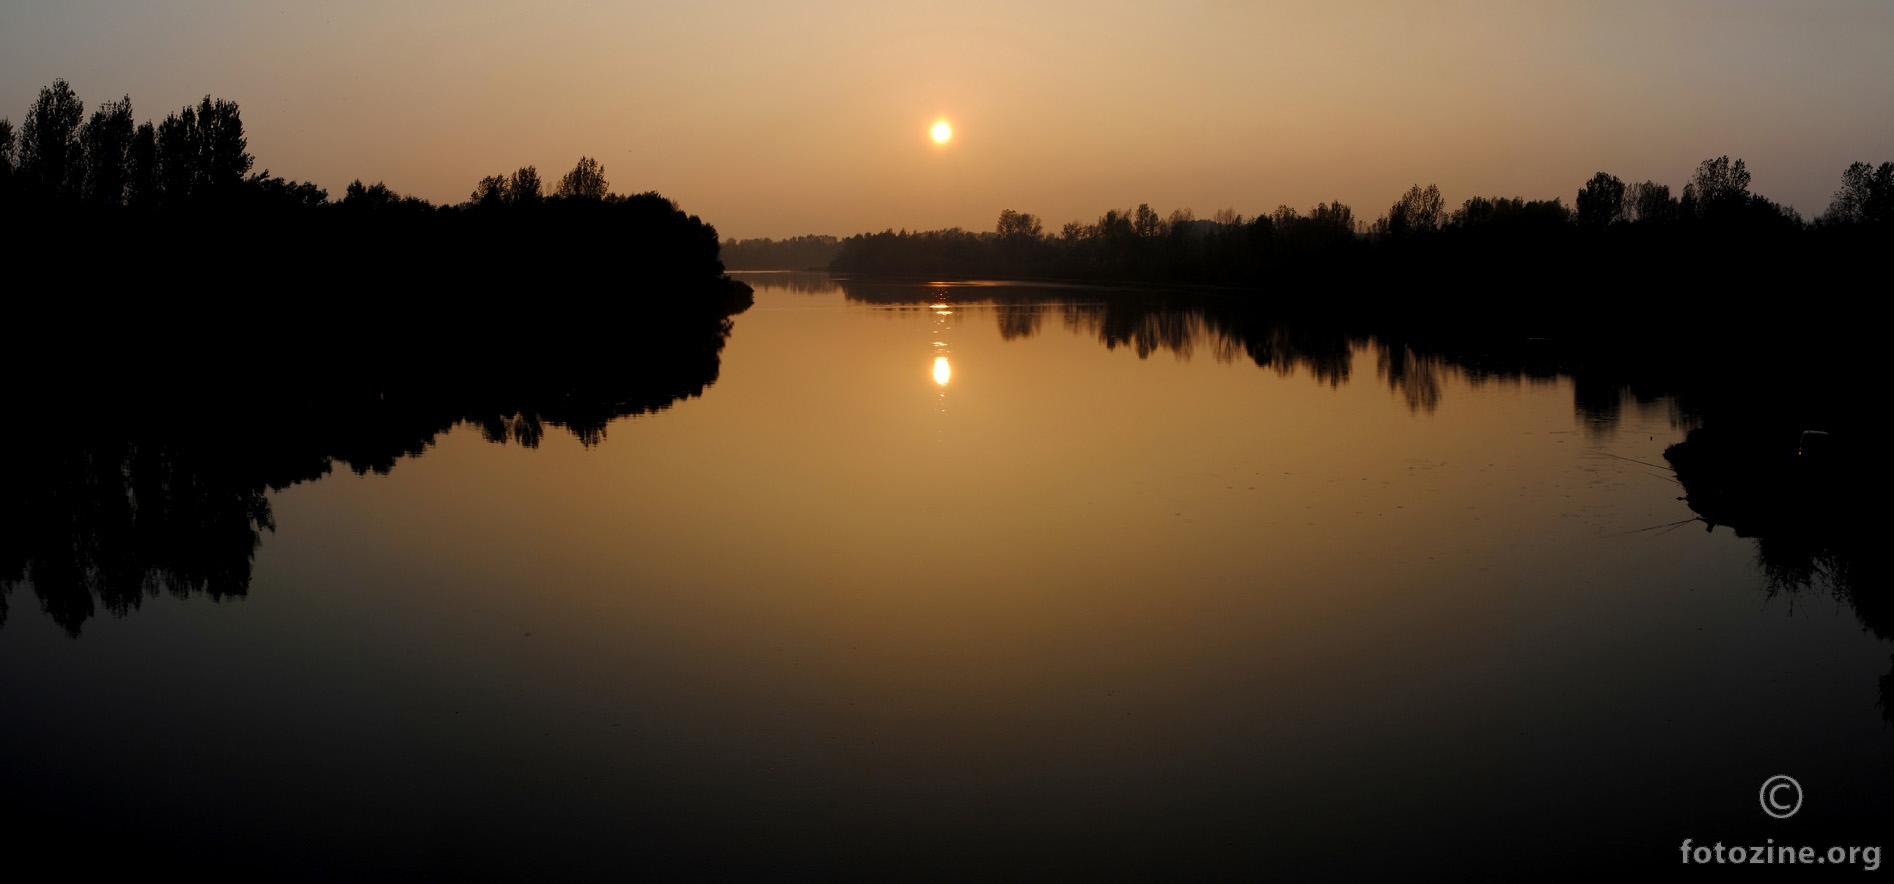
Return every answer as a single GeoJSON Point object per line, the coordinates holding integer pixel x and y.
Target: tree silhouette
{"type": "Point", "coordinates": [794, 253]}
{"type": "Point", "coordinates": [142, 184]}
{"type": "Point", "coordinates": [202, 152]}
{"type": "Point", "coordinates": [226, 159]}
{"type": "Point", "coordinates": [107, 142]}
{"type": "Point", "coordinates": [491, 191]}
{"type": "Point", "coordinates": [1016, 226]}
{"type": "Point", "coordinates": [7, 158]}
{"type": "Point", "coordinates": [378, 197]}
{"type": "Point", "coordinates": [49, 140]}
{"type": "Point", "coordinates": [1146, 222]}
{"type": "Point", "coordinates": [1420, 210]}
{"type": "Point", "coordinates": [1866, 196]}
{"type": "Point", "coordinates": [1719, 187]}
{"type": "Point", "coordinates": [585, 181]}
{"type": "Point", "coordinates": [1650, 203]}
{"type": "Point", "coordinates": [1601, 201]}
{"type": "Point", "coordinates": [279, 194]}
{"type": "Point", "coordinates": [523, 188]}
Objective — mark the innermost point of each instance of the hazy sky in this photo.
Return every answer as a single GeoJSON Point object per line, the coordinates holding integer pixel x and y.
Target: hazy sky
{"type": "Point", "coordinates": [775, 119]}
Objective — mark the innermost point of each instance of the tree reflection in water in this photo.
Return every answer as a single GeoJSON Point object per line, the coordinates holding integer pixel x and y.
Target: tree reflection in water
{"type": "Point", "coordinates": [142, 477]}
{"type": "Point", "coordinates": [114, 499]}
{"type": "Point", "coordinates": [1738, 465]}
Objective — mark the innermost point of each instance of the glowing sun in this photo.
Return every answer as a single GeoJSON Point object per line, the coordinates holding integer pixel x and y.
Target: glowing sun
{"type": "Point", "coordinates": [942, 132]}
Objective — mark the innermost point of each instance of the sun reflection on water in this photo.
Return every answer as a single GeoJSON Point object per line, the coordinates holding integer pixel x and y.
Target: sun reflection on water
{"type": "Point", "coordinates": [942, 372]}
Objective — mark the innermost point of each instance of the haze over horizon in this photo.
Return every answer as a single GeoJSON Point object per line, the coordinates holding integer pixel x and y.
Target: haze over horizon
{"type": "Point", "coordinates": [771, 121]}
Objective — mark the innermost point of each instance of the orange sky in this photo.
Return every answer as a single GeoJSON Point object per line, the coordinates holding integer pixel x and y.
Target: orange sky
{"type": "Point", "coordinates": [775, 119]}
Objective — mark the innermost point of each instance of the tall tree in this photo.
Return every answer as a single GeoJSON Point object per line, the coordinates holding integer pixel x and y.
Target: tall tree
{"type": "Point", "coordinates": [1718, 186]}
{"type": "Point", "coordinates": [202, 152]}
{"type": "Point", "coordinates": [178, 152]}
{"type": "Point", "coordinates": [226, 150]}
{"type": "Point", "coordinates": [585, 181]}
{"type": "Point", "coordinates": [523, 189]}
{"type": "Point", "coordinates": [491, 191]}
{"type": "Point", "coordinates": [142, 187]}
{"type": "Point", "coordinates": [1866, 195]}
{"type": "Point", "coordinates": [1420, 210]}
{"type": "Point", "coordinates": [107, 139]}
{"type": "Point", "coordinates": [1018, 226]}
{"type": "Point", "coordinates": [1649, 203]}
{"type": "Point", "coordinates": [7, 158]}
{"type": "Point", "coordinates": [1601, 201]}
{"type": "Point", "coordinates": [1147, 223]}
{"type": "Point", "coordinates": [49, 139]}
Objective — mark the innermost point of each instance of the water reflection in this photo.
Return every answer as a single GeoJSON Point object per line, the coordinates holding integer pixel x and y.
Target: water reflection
{"type": "Point", "coordinates": [1159, 614]}
{"type": "Point", "coordinates": [1802, 511]}
{"type": "Point", "coordinates": [166, 490]}
{"type": "Point", "coordinates": [1225, 329]}
{"type": "Point", "coordinates": [1808, 541]}
{"type": "Point", "coordinates": [109, 506]}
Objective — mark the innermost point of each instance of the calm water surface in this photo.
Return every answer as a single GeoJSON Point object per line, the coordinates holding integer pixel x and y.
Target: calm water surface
{"type": "Point", "coordinates": [947, 588]}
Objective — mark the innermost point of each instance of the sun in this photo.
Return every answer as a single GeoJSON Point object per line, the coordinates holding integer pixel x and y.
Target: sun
{"type": "Point", "coordinates": [942, 132]}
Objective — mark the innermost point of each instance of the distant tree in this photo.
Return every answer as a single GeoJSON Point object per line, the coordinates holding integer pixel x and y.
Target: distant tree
{"type": "Point", "coordinates": [1649, 203]}
{"type": "Point", "coordinates": [202, 152]}
{"type": "Point", "coordinates": [279, 193]}
{"type": "Point", "coordinates": [1018, 225]}
{"type": "Point", "coordinates": [142, 188]}
{"type": "Point", "coordinates": [178, 151]}
{"type": "Point", "coordinates": [8, 157]}
{"type": "Point", "coordinates": [1866, 196]}
{"type": "Point", "coordinates": [491, 191]}
{"type": "Point", "coordinates": [1115, 226]}
{"type": "Point", "coordinates": [1335, 218]}
{"type": "Point", "coordinates": [226, 159]}
{"type": "Point", "coordinates": [1546, 214]}
{"type": "Point", "coordinates": [359, 197]}
{"type": "Point", "coordinates": [1327, 227]}
{"type": "Point", "coordinates": [107, 142]}
{"type": "Point", "coordinates": [1146, 223]}
{"type": "Point", "coordinates": [49, 139]}
{"type": "Point", "coordinates": [1227, 217]}
{"type": "Point", "coordinates": [1478, 212]}
{"type": "Point", "coordinates": [1601, 201]}
{"type": "Point", "coordinates": [794, 253]}
{"type": "Point", "coordinates": [523, 189]}
{"type": "Point", "coordinates": [1718, 187]}
{"type": "Point", "coordinates": [585, 181]}
{"type": "Point", "coordinates": [1420, 210]}
{"type": "Point", "coordinates": [1515, 215]}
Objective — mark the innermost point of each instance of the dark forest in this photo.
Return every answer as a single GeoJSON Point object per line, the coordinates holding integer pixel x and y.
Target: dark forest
{"type": "Point", "coordinates": [165, 226]}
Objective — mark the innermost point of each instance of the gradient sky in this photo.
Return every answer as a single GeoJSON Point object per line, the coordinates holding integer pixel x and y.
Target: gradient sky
{"type": "Point", "coordinates": [776, 119]}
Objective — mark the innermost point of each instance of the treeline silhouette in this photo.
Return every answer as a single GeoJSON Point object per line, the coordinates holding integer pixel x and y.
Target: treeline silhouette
{"type": "Point", "coordinates": [1716, 295]}
{"type": "Point", "coordinates": [184, 335]}
{"type": "Point", "coordinates": [166, 223]}
{"type": "Point", "coordinates": [1625, 254]}
{"type": "Point", "coordinates": [1634, 225]}
{"type": "Point", "coordinates": [812, 252]}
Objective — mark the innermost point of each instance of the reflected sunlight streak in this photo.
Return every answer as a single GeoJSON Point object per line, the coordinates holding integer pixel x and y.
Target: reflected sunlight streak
{"type": "Point", "coordinates": [942, 373]}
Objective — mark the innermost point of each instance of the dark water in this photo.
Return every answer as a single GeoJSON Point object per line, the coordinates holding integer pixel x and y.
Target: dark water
{"type": "Point", "coordinates": [961, 583]}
